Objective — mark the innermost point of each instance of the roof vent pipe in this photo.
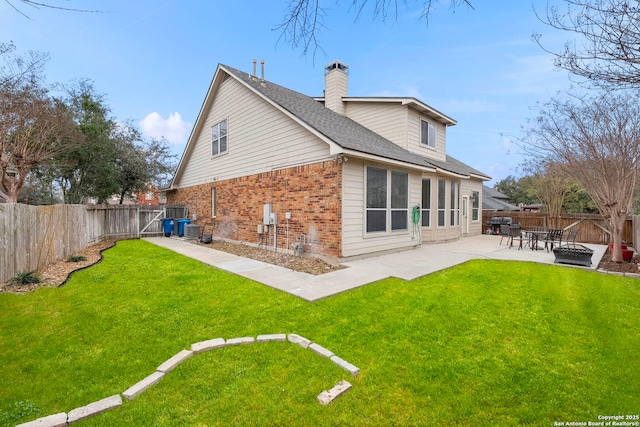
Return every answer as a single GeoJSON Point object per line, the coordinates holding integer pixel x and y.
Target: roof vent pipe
{"type": "Point", "coordinates": [262, 66]}
{"type": "Point", "coordinates": [254, 67]}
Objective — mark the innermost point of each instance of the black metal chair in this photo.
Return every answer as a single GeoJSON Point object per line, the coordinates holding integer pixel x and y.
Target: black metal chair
{"type": "Point", "coordinates": [504, 232]}
{"type": "Point", "coordinates": [553, 236]}
{"type": "Point", "coordinates": [515, 232]}
{"type": "Point", "coordinates": [571, 237]}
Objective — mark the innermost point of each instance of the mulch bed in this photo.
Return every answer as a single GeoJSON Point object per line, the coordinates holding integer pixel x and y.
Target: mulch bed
{"type": "Point", "coordinates": [56, 274]}
{"type": "Point", "coordinates": [304, 264]}
{"type": "Point", "coordinates": [619, 267]}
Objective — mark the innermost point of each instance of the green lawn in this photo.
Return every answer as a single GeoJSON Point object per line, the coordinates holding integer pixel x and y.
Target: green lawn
{"type": "Point", "coordinates": [484, 343]}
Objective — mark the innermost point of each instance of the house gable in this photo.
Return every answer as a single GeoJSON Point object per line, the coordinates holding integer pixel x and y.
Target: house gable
{"type": "Point", "coordinates": [259, 137]}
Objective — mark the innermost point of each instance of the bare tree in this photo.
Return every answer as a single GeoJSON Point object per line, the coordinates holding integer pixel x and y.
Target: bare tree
{"type": "Point", "coordinates": [550, 184]}
{"type": "Point", "coordinates": [305, 19]}
{"type": "Point", "coordinates": [607, 52]}
{"type": "Point", "coordinates": [33, 126]}
{"type": "Point", "coordinates": [596, 140]}
{"type": "Point", "coordinates": [38, 5]}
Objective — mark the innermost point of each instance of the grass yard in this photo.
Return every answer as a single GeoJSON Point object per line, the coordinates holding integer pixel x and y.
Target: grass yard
{"type": "Point", "coordinates": [484, 343]}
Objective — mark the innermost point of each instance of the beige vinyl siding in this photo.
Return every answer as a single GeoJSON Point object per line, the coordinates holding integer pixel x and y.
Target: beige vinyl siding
{"type": "Point", "coordinates": [387, 120]}
{"type": "Point", "coordinates": [260, 138]}
{"type": "Point", "coordinates": [355, 240]}
{"type": "Point", "coordinates": [413, 137]}
{"type": "Point", "coordinates": [336, 86]}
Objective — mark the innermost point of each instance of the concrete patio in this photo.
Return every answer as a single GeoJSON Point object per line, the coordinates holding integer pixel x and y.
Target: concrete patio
{"type": "Point", "coordinates": [406, 265]}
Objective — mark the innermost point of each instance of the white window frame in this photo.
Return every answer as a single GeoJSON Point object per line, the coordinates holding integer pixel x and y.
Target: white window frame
{"type": "Point", "coordinates": [217, 137]}
{"type": "Point", "coordinates": [428, 140]}
{"type": "Point", "coordinates": [426, 207]}
{"type": "Point", "coordinates": [388, 209]}
{"type": "Point", "coordinates": [442, 203]}
{"type": "Point", "coordinates": [475, 206]}
{"type": "Point", "coordinates": [454, 209]}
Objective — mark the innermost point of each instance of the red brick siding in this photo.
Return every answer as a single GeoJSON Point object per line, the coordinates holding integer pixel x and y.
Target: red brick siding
{"type": "Point", "coordinates": [312, 193]}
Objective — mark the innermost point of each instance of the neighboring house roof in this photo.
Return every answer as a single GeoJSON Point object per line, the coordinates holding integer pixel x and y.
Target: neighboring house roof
{"type": "Point", "coordinates": [493, 200]}
{"type": "Point", "coordinates": [492, 192]}
{"type": "Point", "coordinates": [342, 133]}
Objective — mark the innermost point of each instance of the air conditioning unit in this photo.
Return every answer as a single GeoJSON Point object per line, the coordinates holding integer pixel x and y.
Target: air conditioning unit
{"type": "Point", "coordinates": [191, 231]}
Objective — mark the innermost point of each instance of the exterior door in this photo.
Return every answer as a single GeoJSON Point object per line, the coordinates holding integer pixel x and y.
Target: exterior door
{"type": "Point", "coordinates": [465, 214]}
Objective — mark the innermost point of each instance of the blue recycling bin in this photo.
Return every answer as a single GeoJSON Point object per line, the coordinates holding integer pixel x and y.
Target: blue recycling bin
{"type": "Point", "coordinates": [167, 226]}
{"type": "Point", "coordinates": [181, 224]}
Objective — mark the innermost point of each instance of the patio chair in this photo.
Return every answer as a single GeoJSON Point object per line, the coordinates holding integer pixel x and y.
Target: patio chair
{"type": "Point", "coordinates": [571, 237]}
{"type": "Point", "coordinates": [553, 236]}
{"type": "Point", "coordinates": [504, 232]}
{"type": "Point", "coordinates": [515, 232]}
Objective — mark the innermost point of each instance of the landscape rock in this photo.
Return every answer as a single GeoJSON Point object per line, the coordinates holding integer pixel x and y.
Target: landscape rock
{"type": "Point", "coordinates": [297, 339]}
{"type": "Point", "coordinates": [329, 396]}
{"type": "Point", "coordinates": [241, 341]}
{"type": "Point", "coordinates": [320, 350]}
{"type": "Point", "coordinates": [203, 346]}
{"type": "Point", "coordinates": [141, 386]}
{"type": "Point", "coordinates": [94, 408]}
{"type": "Point", "coordinates": [345, 365]}
{"type": "Point", "coordinates": [272, 337]}
{"type": "Point", "coordinates": [171, 364]}
{"type": "Point", "coordinates": [57, 420]}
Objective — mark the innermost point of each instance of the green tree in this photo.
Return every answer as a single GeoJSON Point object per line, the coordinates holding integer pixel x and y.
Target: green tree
{"type": "Point", "coordinates": [519, 190]}
{"type": "Point", "coordinates": [141, 162]}
{"type": "Point", "coordinates": [112, 158]}
{"type": "Point", "coordinates": [578, 200]}
{"type": "Point", "coordinates": [87, 169]}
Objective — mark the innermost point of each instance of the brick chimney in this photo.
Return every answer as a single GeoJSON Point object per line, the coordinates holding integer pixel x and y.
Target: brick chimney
{"type": "Point", "coordinates": [336, 79]}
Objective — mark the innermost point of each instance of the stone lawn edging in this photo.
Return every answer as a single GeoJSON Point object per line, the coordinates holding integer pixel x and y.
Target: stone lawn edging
{"type": "Point", "coordinates": [325, 397]}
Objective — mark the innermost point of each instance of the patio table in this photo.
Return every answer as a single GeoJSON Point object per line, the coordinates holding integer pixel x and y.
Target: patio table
{"type": "Point", "coordinates": [534, 237]}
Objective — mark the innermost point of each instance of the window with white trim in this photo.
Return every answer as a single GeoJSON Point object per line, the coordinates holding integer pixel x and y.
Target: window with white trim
{"type": "Point", "coordinates": [376, 199]}
{"type": "Point", "coordinates": [475, 206]}
{"type": "Point", "coordinates": [219, 143]}
{"type": "Point", "coordinates": [427, 134]}
{"type": "Point", "coordinates": [426, 202]}
{"type": "Point", "coordinates": [387, 200]}
{"type": "Point", "coordinates": [454, 205]}
{"type": "Point", "coordinates": [399, 201]}
{"type": "Point", "coordinates": [442, 197]}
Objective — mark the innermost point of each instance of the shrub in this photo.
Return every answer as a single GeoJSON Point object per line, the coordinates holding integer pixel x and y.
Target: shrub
{"type": "Point", "coordinates": [27, 278]}
{"type": "Point", "coordinates": [76, 258]}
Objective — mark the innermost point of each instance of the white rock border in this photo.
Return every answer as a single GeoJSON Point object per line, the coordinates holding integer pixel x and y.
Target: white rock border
{"type": "Point", "coordinates": [95, 408]}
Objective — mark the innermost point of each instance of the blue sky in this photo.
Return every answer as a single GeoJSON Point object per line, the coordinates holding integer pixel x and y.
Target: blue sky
{"type": "Point", "coordinates": [154, 60]}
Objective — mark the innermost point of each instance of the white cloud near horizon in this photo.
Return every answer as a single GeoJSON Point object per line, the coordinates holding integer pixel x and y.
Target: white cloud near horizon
{"type": "Point", "coordinates": [174, 129]}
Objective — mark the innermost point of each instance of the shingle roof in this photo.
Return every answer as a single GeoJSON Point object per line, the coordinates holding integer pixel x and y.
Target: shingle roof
{"type": "Point", "coordinates": [343, 131]}
{"type": "Point", "coordinates": [492, 192]}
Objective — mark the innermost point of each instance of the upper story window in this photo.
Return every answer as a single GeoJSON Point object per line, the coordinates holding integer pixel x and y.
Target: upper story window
{"type": "Point", "coordinates": [427, 134]}
{"type": "Point", "coordinates": [219, 138]}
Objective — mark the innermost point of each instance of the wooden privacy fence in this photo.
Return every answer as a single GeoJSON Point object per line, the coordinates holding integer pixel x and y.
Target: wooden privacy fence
{"type": "Point", "coordinates": [591, 228]}
{"type": "Point", "coordinates": [32, 237]}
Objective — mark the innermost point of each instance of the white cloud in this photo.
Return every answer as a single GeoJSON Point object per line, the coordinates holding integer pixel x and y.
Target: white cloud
{"type": "Point", "coordinates": [510, 146]}
{"type": "Point", "coordinates": [173, 129]}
